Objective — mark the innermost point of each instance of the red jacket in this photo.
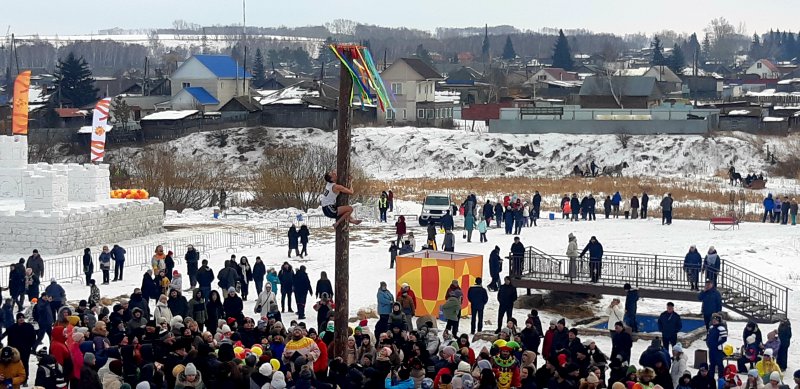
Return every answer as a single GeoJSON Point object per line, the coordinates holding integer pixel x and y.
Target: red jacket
{"type": "Point", "coordinates": [506, 201]}
{"type": "Point", "coordinates": [321, 364]}
{"type": "Point", "coordinates": [410, 294]}
{"type": "Point", "coordinates": [548, 342]}
{"type": "Point", "coordinates": [58, 346]}
{"type": "Point", "coordinates": [400, 226]}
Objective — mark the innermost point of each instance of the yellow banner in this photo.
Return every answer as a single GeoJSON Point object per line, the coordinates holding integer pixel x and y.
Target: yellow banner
{"type": "Point", "coordinates": [20, 116]}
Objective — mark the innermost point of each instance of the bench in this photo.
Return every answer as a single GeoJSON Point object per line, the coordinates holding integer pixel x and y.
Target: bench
{"type": "Point", "coordinates": [730, 222]}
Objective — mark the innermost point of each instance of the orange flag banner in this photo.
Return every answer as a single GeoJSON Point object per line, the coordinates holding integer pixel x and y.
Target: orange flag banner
{"type": "Point", "coordinates": [20, 115]}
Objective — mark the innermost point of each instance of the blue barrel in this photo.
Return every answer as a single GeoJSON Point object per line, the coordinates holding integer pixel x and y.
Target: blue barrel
{"type": "Point", "coordinates": [552, 216]}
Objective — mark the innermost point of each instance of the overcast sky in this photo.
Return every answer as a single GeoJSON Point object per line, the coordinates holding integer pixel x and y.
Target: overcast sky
{"type": "Point", "coordinates": [616, 16]}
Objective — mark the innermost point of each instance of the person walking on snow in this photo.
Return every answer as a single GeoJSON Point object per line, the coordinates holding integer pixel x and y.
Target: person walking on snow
{"type": "Point", "coordinates": [294, 239]}
{"type": "Point", "coordinates": [572, 253]}
{"type": "Point", "coordinates": [692, 264]}
{"type": "Point", "coordinates": [495, 267]}
{"type": "Point", "coordinates": [666, 209]}
{"type": "Point", "coordinates": [482, 228]}
{"type": "Point", "coordinates": [595, 250]}
{"type": "Point", "coordinates": [383, 206]}
{"type": "Point", "coordinates": [469, 225]}
{"type": "Point", "coordinates": [328, 199]}
{"type": "Point", "coordinates": [400, 229]}
{"type": "Point", "coordinates": [769, 205]}
{"type": "Point", "coordinates": [478, 298]}
{"type": "Point", "coordinates": [645, 200]}
{"type": "Point", "coordinates": [304, 233]}
{"type": "Point", "coordinates": [615, 204]}
{"type": "Point", "coordinates": [498, 213]}
{"type": "Point", "coordinates": [488, 212]}
{"type": "Point", "coordinates": [711, 265]}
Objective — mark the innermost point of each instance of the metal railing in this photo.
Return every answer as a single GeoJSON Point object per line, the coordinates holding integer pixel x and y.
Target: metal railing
{"type": "Point", "coordinates": [742, 290]}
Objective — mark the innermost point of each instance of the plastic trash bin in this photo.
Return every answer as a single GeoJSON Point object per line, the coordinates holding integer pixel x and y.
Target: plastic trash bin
{"type": "Point", "coordinates": [552, 216]}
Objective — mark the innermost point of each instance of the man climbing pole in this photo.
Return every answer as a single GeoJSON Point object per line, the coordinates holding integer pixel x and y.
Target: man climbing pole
{"type": "Point", "coordinates": [328, 201]}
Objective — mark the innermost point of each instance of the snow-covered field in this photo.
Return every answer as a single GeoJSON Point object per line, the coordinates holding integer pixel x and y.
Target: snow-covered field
{"type": "Point", "coordinates": [769, 250]}
{"type": "Point", "coordinates": [406, 152]}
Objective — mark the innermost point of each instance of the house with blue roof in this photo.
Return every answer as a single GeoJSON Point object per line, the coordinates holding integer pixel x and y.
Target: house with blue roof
{"type": "Point", "coordinates": [211, 80]}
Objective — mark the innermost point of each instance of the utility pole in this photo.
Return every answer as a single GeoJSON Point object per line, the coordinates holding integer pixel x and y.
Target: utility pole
{"type": "Point", "coordinates": [244, 42]}
{"type": "Point", "coordinates": [342, 259]}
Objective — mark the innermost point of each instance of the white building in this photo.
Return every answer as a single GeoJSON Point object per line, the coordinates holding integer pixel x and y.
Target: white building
{"type": "Point", "coordinates": [764, 69]}
{"type": "Point", "coordinates": [220, 76]}
{"type": "Point", "coordinates": [413, 84]}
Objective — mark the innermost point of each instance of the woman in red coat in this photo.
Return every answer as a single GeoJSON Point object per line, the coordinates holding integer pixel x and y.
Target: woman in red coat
{"type": "Point", "coordinates": [321, 364]}
{"type": "Point", "coordinates": [400, 230]}
{"type": "Point", "coordinates": [548, 339]}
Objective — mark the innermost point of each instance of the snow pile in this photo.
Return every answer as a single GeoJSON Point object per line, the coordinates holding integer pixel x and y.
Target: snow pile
{"type": "Point", "coordinates": [405, 152]}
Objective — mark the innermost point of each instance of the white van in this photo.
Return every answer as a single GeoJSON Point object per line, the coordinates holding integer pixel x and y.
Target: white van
{"type": "Point", "coordinates": [434, 207]}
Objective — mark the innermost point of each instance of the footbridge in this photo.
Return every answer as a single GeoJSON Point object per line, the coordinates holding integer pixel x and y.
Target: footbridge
{"type": "Point", "coordinates": [655, 276]}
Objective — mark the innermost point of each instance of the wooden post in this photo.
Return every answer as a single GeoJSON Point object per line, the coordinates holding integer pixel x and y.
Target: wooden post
{"type": "Point", "coordinates": [342, 260]}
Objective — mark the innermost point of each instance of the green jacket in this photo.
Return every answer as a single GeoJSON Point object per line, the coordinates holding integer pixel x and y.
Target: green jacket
{"type": "Point", "coordinates": [451, 309]}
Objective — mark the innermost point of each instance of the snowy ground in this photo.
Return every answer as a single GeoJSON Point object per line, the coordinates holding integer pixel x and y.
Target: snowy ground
{"type": "Point", "coordinates": [405, 152]}
{"type": "Point", "coordinates": [769, 250]}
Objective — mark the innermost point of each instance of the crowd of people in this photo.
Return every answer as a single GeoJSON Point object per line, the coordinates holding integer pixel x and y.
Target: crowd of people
{"type": "Point", "coordinates": [781, 211]}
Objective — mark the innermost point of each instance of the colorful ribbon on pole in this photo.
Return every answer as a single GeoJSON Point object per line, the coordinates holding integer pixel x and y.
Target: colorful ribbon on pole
{"type": "Point", "coordinates": [366, 78]}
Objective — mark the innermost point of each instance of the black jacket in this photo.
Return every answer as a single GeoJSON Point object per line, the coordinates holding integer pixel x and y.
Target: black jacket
{"type": "Point", "coordinates": [495, 262]}
{"type": "Point", "coordinates": [621, 344]}
{"type": "Point", "coordinates": [118, 254]}
{"type": "Point", "coordinates": [302, 285]}
{"type": "Point", "coordinates": [293, 238]}
{"type": "Point", "coordinates": [88, 264]}
{"type": "Point", "coordinates": [205, 276]}
{"type": "Point", "coordinates": [506, 295]}
{"type": "Point", "coordinates": [669, 323]}
{"type": "Point", "coordinates": [259, 271]}
{"type": "Point", "coordinates": [324, 286]}
{"type": "Point", "coordinates": [149, 288]}
{"type": "Point", "coordinates": [477, 296]}
{"type": "Point", "coordinates": [286, 276]}
{"type": "Point", "coordinates": [645, 200]}
{"type": "Point", "coordinates": [192, 257]}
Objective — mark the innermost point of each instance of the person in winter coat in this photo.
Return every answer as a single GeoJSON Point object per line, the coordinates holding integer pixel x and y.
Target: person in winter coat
{"type": "Point", "coordinates": [451, 309]}
{"type": "Point", "coordinates": [21, 337]}
{"type": "Point", "coordinates": [294, 238]}
{"type": "Point", "coordinates": [595, 250]}
{"type": "Point", "coordinates": [177, 281]}
{"type": "Point", "coordinates": [400, 229]}
{"type": "Point", "coordinates": [488, 212]}
{"type": "Point", "coordinates": [666, 209]}
{"type": "Point", "coordinates": [785, 337]}
{"type": "Point", "coordinates": [31, 284]}
{"type": "Point", "coordinates": [447, 221]}
{"type": "Point", "coordinates": [94, 292]}
{"type": "Point", "coordinates": [157, 262]}
{"type": "Point", "coordinates": [36, 264]}
{"type": "Point", "coordinates": [302, 289]}
{"type": "Point", "coordinates": [477, 297]}
{"type": "Point", "coordinates": [205, 276]}
{"type": "Point", "coordinates": [267, 302]}
{"type": "Point", "coordinates": [245, 273]}
{"type": "Point", "coordinates": [615, 314]}
{"type": "Point", "coordinates": [385, 301]}
{"type": "Point", "coordinates": [769, 206]}
{"type": "Point", "coordinates": [786, 205]}
{"type": "Point", "coordinates": [190, 378]}
{"type": "Point", "coordinates": [572, 253]}
{"type": "Point", "coordinates": [692, 264]}
{"type": "Point", "coordinates": [449, 242]}
{"type": "Point", "coordinates": [431, 243]}
{"type": "Point", "coordinates": [506, 296]}
{"type": "Point", "coordinates": [88, 377]}
{"type": "Point", "coordinates": [88, 264]}
{"type": "Point", "coordinates": [509, 220]}
{"type": "Point", "coordinates": [793, 211]}
{"type": "Point", "coordinates": [644, 201]}
{"type": "Point", "coordinates": [192, 259]}
{"type": "Point", "coordinates": [57, 295]}
{"type": "Point", "coordinates": [50, 375]}
{"type": "Point", "coordinates": [177, 303]}
{"type": "Point", "coordinates": [575, 206]}
{"type": "Point", "coordinates": [498, 214]}
{"type": "Point", "coordinates": [162, 309]}
{"type": "Point", "coordinates": [495, 267]}
{"type": "Point", "coordinates": [669, 324]}
{"type": "Point", "coordinates": [621, 343]}
{"type": "Point", "coordinates": [711, 265]}
{"type": "Point", "coordinates": [607, 206]}
{"type": "Point", "coordinates": [631, 305]}
{"type": "Point", "coordinates": [228, 276]}
{"type": "Point", "coordinates": [197, 308]}
{"type": "Point", "coordinates": [634, 207]}
{"type": "Point", "coordinates": [324, 285]}
{"type": "Point", "coordinates": [469, 225]}
{"type": "Point", "coordinates": [712, 302]}
{"type": "Point", "coordinates": [304, 233]}
{"type": "Point", "coordinates": [233, 306]}
{"type": "Point", "coordinates": [715, 340]}
{"type": "Point", "coordinates": [482, 228]}
{"type": "Point", "coordinates": [679, 364]}
{"type": "Point", "coordinates": [11, 367]}
{"type": "Point", "coordinates": [383, 206]}
{"type": "Point", "coordinates": [44, 316]}
{"type": "Point", "coordinates": [105, 264]}
{"type": "Point", "coordinates": [615, 202]}
{"type": "Point", "coordinates": [259, 272]}
{"type": "Point", "coordinates": [272, 278]}
{"type": "Point", "coordinates": [286, 278]}
{"type": "Point", "coordinates": [214, 310]}
{"type": "Point", "coordinates": [777, 209]}
{"type": "Point", "coordinates": [626, 208]}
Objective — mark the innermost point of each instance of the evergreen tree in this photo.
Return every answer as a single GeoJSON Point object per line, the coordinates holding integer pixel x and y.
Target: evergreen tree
{"type": "Point", "coordinates": [508, 50]}
{"type": "Point", "coordinates": [259, 72]}
{"type": "Point", "coordinates": [756, 50]}
{"type": "Point", "coordinates": [677, 61]}
{"type": "Point", "coordinates": [658, 53]}
{"type": "Point", "coordinates": [562, 56]}
{"type": "Point", "coordinates": [74, 82]}
{"type": "Point", "coordinates": [706, 48]}
{"type": "Point", "coordinates": [302, 60]}
{"type": "Point", "coordinates": [121, 112]}
{"type": "Point", "coordinates": [423, 54]}
{"type": "Point", "coordinates": [485, 46]}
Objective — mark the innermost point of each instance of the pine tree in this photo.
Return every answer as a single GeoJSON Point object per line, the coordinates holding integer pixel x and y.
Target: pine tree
{"type": "Point", "coordinates": [756, 50]}
{"type": "Point", "coordinates": [508, 50]}
{"type": "Point", "coordinates": [121, 111]}
{"type": "Point", "coordinates": [485, 46]}
{"type": "Point", "coordinates": [259, 73]}
{"type": "Point", "coordinates": [423, 54]}
{"type": "Point", "coordinates": [677, 61]}
{"type": "Point", "coordinates": [562, 57]}
{"type": "Point", "coordinates": [706, 48]}
{"type": "Point", "coordinates": [658, 53]}
{"type": "Point", "coordinates": [74, 82]}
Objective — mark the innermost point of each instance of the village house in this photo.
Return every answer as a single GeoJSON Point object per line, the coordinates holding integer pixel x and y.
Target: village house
{"type": "Point", "coordinates": [620, 92]}
{"type": "Point", "coordinates": [413, 83]}
{"type": "Point", "coordinates": [220, 76]}
{"type": "Point", "coordinates": [764, 69]}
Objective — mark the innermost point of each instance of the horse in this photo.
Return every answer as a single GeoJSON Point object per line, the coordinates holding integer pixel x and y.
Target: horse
{"type": "Point", "coordinates": [615, 170]}
{"type": "Point", "coordinates": [735, 178]}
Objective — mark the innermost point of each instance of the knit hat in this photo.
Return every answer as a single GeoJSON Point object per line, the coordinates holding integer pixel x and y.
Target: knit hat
{"type": "Point", "coordinates": [449, 351]}
{"type": "Point", "coordinates": [754, 373]}
{"type": "Point", "coordinates": [265, 369]}
{"type": "Point", "coordinates": [143, 385]}
{"type": "Point", "coordinates": [796, 373]}
{"type": "Point", "coordinates": [768, 352]}
{"type": "Point", "coordinates": [77, 337]}
{"type": "Point", "coordinates": [553, 322]}
{"type": "Point", "coordinates": [88, 358]}
{"type": "Point", "coordinates": [226, 329]}
{"type": "Point", "coordinates": [463, 367]}
{"type": "Point", "coordinates": [678, 348]}
{"type": "Point", "coordinates": [631, 370]}
{"type": "Point", "coordinates": [775, 376]}
{"type": "Point", "coordinates": [175, 273]}
{"type": "Point", "coordinates": [592, 379]}
{"type": "Point", "coordinates": [190, 369]}
{"type": "Point", "coordinates": [278, 380]}
{"type": "Point", "coordinates": [484, 364]}
{"type": "Point", "coordinates": [363, 323]}
{"type": "Point", "coordinates": [231, 289]}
